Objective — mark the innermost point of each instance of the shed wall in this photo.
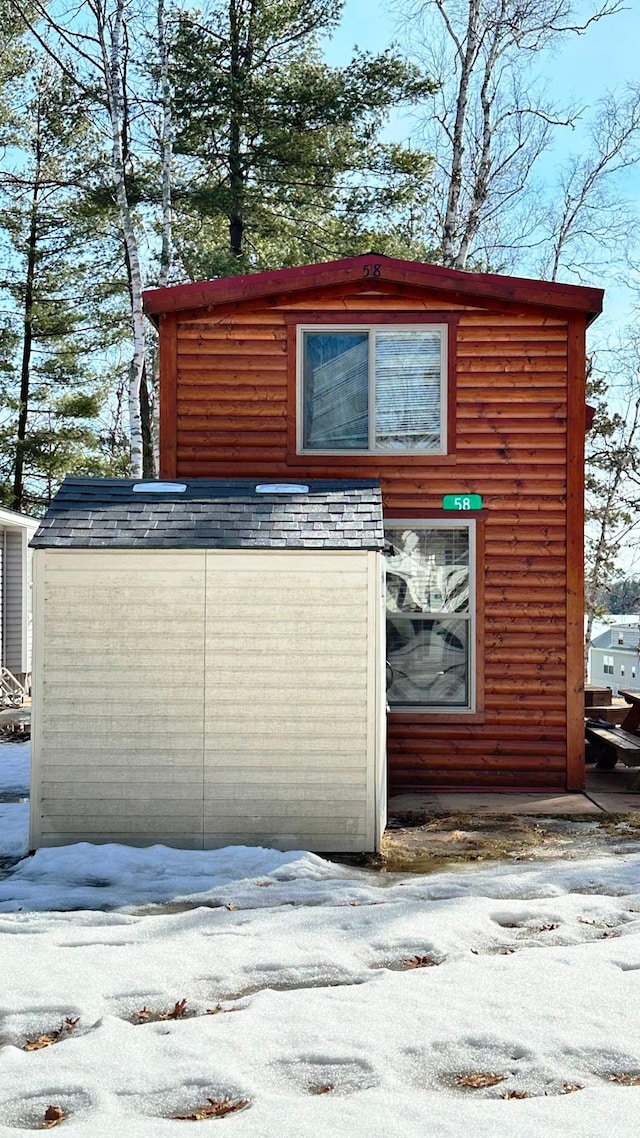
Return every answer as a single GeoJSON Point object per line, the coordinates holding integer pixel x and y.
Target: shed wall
{"type": "Point", "coordinates": [229, 406]}
{"type": "Point", "coordinates": [206, 698]}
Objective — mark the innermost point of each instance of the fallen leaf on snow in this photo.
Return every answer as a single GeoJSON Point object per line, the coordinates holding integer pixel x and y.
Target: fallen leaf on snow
{"type": "Point", "coordinates": [53, 1116]}
{"type": "Point", "coordinates": [479, 1079]}
{"type": "Point", "coordinates": [178, 1010]}
{"type": "Point", "coordinates": [569, 1088]}
{"type": "Point", "coordinates": [48, 1038]}
{"type": "Point", "coordinates": [215, 1108]}
{"type": "Point", "coordinates": [420, 962]}
{"type": "Point", "coordinates": [626, 1078]}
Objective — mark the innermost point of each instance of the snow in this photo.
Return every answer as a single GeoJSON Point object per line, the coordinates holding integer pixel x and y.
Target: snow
{"type": "Point", "coordinates": [531, 972]}
{"type": "Point", "coordinates": [14, 768]}
{"type": "Point", "coordinates": [14, 829]}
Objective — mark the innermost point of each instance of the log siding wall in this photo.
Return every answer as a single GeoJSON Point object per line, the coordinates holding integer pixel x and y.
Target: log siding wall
{"type": "Point", "coordinates": [229, 379]}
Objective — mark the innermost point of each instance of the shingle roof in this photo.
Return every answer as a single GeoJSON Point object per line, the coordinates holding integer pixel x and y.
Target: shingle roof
{"type": "Point", "coordinates": [92, 513]}
{"type": "Point", "coordinates": [610, 638]}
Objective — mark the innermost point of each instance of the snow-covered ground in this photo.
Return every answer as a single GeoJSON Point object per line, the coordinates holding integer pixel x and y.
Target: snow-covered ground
{"type": "Point", "coordinates": [14, 768]}
{"type": "Point", "coordinates": [347, 1004]}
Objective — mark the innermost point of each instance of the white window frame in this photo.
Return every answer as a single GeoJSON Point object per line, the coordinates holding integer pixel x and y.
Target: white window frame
{"type": "Point", "coordinates": [607, 665]}
{"type": "Point", "coordinates": [471, 617]}
{"type": "Point", "coordinates": [372, 329]}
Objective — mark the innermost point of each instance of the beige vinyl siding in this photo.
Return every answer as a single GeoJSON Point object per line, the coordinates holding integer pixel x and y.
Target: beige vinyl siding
{"type": "Point", "coordinates": [288, 715]}
{"type": "Point", "coordinates": [118, 697]}
{"type": "Point", "coordinates": [207, 698]}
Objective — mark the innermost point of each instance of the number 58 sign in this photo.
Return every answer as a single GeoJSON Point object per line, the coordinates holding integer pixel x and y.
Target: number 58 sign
{"type": "Point", "coordinates": [462, 502]}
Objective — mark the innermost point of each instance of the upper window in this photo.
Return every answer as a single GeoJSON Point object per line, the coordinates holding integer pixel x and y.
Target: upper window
{"type": "Point", "coordinates": [372, 389]}
{"type": "Point", "coordinates": [608, 665]}
{"type": "Point", "coordinates": [430, 570]}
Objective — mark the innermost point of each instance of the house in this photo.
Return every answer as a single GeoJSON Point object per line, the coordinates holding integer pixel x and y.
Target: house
{"type": "Point", "coordinates": [463, 394]}
{"type": "Point", "coordinates": [615, 656]}
{"type": "Point", "coordinates": [16, 530]}
{"type": "Point", "coordinates": [209, 665]}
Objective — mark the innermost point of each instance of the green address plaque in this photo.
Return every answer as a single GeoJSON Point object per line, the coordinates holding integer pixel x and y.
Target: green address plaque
{"type": "Point", "coordinates": [462, 502]}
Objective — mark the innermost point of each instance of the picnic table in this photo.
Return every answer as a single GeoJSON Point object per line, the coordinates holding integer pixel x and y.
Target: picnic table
{"type": "Point", "coordinates": [618, 743]}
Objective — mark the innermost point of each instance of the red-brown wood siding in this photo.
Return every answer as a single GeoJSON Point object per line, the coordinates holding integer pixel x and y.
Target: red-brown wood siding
{"type": "Point", "coordinates": [234, 399]}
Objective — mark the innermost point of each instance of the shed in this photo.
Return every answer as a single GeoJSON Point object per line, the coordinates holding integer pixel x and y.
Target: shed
{"type": "Point", "coordinates": [209, 665]}
{"type": "Point", "coordinates": [463, 394]}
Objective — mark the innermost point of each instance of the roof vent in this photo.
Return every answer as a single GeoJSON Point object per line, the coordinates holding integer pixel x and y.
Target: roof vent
{"type": "Point", "coordinates": [159, 487]}
{"type": "Point", "coordinates": [281, 488]}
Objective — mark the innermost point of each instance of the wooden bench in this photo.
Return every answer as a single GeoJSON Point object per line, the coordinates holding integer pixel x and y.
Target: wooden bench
{"type": "Point", "coordinates": [614, 714]}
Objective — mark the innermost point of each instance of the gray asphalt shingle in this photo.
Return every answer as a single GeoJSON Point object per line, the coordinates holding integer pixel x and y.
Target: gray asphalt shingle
{"type": "Point", "coordinates": [216, 513]}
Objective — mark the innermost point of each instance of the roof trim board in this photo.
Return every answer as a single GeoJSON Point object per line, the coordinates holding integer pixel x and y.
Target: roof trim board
{"type": "Point", "coordinates": [453, 282]}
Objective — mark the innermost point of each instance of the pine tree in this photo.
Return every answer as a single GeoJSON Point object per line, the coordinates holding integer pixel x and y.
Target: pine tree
{"type": "Point", "coordinates": [279, 155]}
{"type": "Point", "coordinates": [64, 310]}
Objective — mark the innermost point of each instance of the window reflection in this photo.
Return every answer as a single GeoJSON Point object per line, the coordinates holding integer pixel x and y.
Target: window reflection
{"type": "Point", "coordinates": [428, 616]}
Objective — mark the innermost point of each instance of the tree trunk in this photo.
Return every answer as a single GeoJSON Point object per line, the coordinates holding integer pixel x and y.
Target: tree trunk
{"type": "Point", "coordinates": [17, 501]}
{"type": "Point", "coordinates": [112, 60]}
{"type": "Point", "coordinates": [236, 172]}
{"type": "Point", "coordinates": [467, 60]}
{"type": "Point", "coordinates": [166, 146]}
{"type": "Point", "coordinates": [146, 419]}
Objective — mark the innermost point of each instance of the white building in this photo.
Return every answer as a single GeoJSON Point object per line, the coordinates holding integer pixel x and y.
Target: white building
{"type": "Point", "coordinates": [16, 531]}
{"type": "Point", "coordinates": [615, 656]}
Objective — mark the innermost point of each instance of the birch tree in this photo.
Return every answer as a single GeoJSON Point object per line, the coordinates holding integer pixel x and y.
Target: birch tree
{"type": "Point", "coordinates": [110, 67]}
{"type": "Point", "coordinates": [493, 119]}
{"type": "Point", "coordinates": [94, 50]}
{"type": "Point", "coordinates": [589, 221]}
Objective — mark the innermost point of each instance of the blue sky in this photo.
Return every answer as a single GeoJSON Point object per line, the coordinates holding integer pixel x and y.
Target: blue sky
{"type": "Point", "coordinates": [606, 56]}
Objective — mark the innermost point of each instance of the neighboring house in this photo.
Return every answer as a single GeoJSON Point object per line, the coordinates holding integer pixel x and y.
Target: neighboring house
{"type": "Point", "coordinates": [16, 530]}
{"type": "Point", "coordinates": [615, 657]}
{"type": "Point", "coordinates": [464, 395]}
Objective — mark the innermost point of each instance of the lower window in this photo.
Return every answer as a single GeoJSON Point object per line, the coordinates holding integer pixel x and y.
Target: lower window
{"type": "Point", "coordinates": [430, 572]}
